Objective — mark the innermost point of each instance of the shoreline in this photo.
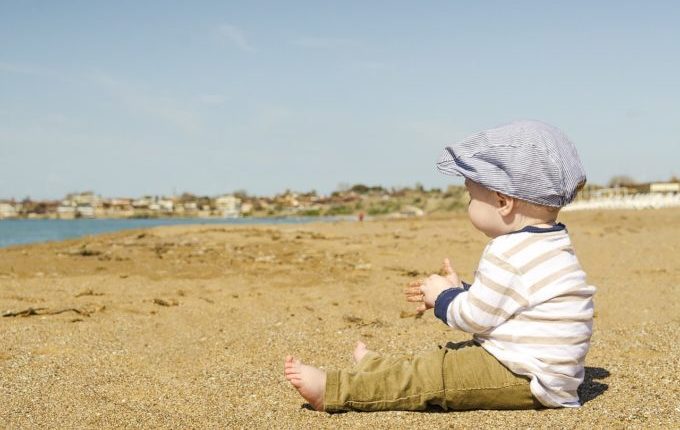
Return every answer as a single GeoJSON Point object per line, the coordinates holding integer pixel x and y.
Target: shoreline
{"type": "Point", "coordinates": [54, 229]}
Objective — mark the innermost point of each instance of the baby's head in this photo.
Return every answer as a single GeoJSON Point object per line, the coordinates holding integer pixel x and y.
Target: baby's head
{"type": "Point", "coordinates": [518, 174]}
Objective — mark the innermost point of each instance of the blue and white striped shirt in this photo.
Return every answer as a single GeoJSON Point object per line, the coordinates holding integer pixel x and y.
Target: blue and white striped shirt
{"type": "Point", "coordinates": [530, 307]}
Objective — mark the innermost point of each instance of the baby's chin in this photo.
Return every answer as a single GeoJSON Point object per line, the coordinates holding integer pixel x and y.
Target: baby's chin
{"type": "Point", "coordinates": [491, 231]}
{"type": "Point", "coordinates": [494, 234]}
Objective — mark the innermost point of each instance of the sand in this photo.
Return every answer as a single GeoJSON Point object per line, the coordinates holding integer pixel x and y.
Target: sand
{"type": "Point", "coordinates": [185, 327]}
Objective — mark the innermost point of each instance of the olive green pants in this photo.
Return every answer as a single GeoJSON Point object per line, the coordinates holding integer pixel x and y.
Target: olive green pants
{"type": "Point", "coordinates": [458, 376]}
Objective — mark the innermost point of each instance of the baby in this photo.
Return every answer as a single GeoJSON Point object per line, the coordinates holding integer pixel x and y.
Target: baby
{"type": "Point", "coordinates": [529, 308]}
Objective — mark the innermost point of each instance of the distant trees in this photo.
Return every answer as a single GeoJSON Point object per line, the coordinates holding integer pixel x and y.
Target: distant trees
{"type": "Point", "coordinates": [186, 198]}
{"type": "Point", "coordinates": [241, 194]}
{"type": "Point", "coordinates": [205, 202]}
{"type": "Point", "coordinates": [364, 189]}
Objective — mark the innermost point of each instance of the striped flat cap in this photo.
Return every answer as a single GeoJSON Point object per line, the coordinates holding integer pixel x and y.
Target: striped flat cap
{"type": "Point", "coordinates": [527, 159]}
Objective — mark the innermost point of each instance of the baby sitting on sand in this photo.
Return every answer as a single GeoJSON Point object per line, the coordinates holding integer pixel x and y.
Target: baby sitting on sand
{"type": "Point", "coordinates": [529, 308]}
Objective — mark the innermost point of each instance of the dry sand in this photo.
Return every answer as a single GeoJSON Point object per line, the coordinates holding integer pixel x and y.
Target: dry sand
{"type": "Point", "coordinates": [185, 327]}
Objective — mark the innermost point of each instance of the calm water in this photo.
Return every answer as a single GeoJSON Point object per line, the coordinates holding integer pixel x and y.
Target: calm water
{"type": "Point", "coordinates": [13, 232]}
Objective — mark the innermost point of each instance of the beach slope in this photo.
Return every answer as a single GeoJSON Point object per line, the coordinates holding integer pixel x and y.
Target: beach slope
{"type": "Point", "coordinates": [185, 327]}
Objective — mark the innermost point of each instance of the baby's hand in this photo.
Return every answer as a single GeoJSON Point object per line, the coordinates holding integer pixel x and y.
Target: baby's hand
{"type": "Point", "coordinates": [426, 291]}
{"type": "Point", "coordinates": [415, 294]}
{"type": "Point", "coordinates": [432, 288]}
{"type": "Point", "coordinates": [451, 274]}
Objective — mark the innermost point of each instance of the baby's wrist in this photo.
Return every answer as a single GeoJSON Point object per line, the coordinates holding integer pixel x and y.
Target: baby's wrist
{"type": "Point", "coordinates": [443, 300]}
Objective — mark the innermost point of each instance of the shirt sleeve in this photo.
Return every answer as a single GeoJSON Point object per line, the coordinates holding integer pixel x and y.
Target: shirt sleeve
{"type": "Point", "coordinates": [495, 295]}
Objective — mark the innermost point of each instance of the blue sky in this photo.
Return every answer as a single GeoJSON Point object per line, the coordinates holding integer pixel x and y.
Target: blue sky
{"type": "Point", "coordinates": [132, 98]}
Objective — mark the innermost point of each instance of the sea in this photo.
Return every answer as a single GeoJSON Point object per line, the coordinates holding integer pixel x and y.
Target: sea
{"type": "Point", "coordinates": [23, 231]}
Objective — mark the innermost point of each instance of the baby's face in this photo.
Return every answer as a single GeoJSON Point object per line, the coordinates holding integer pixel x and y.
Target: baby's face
{"type": "Point", "coordinates": [483, 210]}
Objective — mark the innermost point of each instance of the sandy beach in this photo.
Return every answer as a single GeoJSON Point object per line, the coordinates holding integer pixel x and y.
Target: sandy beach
{"type": "Point", "coordinates": [187, 327]}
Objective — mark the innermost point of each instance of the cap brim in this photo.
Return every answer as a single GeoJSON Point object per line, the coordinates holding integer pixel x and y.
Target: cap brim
{"type": "Point", "coordinates": [448, 163]}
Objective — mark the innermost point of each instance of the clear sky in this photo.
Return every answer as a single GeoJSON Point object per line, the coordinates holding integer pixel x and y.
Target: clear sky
{"type": "Point", "coordinates": [151, 97]}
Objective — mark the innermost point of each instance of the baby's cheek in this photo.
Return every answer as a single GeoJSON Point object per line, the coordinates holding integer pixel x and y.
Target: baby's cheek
{"type": "Point", "coordinates": [473, 214]}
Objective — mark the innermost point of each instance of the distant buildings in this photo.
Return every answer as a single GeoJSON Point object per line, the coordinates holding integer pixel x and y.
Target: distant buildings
{"type": "Point", "coordinates": [79, 205]}
{"type": "Point", "coordinates": [372, 201]}
{"type": "Point", "coordinates": [665, 187]}
{"type": "Point", "coordinates": [90, 205]}
{"type": "Point", "coordinates": [118, 208]}
{"type": "Point", "coordinates": [7, 210]}
{"type": "Point", "coordinates": [66, 210]}
{"type": "Point", "coordinates": [228, 206]}
{"type": "Point", "coordinates": [654, 195]}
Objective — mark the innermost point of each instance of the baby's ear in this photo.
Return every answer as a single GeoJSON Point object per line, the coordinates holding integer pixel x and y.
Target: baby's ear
{"type": "Point", "coordinates": [504, 203]}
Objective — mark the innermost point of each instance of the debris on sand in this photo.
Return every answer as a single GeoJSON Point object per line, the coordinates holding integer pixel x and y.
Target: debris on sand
{"type": "Point", "coordinates": [359, 322]}
{"type": "Point", "coordinates": [86, 252]}
{"type": "Point", "coordinates": [24, 313]}
{"type": "Point", "coordinates": [88, 292]}
{"type": "Point", "coordinates": [166, 302]}
{"type": "Point", "coordinates": [83, 251]}
{"type": "Point", "coordinates": [161, 248]}
{"type": "Point", "coordinates": [45, 311]}
{"type": "Point", "coordinates": [352, 319]}
{"type": "Point", "coordinates": [411, 273]}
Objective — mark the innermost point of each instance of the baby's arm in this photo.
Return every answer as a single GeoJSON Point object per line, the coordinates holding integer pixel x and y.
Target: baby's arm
{"type": "Point", "coordinates": [495, 296]}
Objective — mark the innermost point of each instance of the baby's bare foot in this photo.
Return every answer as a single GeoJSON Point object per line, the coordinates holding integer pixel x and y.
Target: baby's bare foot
{"type": "Point", "coordinates": [308, 380]}
{"type": "Point", "coordinates": [359, 351]}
